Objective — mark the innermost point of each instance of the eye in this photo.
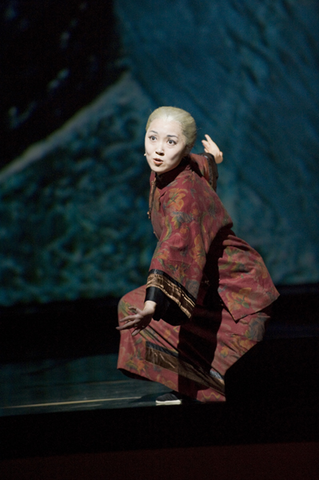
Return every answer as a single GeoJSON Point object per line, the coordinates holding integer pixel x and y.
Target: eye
{"type": "Point", "coordinates": [171, 142]}
{"type": "Point", "coordinates": [152, 138]}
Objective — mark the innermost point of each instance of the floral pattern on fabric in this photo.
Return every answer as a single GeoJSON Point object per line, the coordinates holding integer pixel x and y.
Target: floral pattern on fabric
{"type": "Point", "coordinates": [192, 358]}
{"type": "Point", "coordinates": [213, 277]}
{"type": "Point", "coordinates": [192, 225]}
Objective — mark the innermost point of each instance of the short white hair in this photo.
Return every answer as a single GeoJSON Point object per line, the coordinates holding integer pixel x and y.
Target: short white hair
{"type": "Point", "coordinates": [174, 114]}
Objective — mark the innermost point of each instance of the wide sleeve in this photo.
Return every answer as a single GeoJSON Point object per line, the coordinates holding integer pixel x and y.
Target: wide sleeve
{"type": "Point", "coordinates": [207, 167]}
{"type": "Point", "coordinates": [190, 220]}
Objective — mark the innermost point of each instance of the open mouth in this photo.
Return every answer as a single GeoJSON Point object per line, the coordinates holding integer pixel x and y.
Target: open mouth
{"type": "Point", "coordinates": [157, 162]}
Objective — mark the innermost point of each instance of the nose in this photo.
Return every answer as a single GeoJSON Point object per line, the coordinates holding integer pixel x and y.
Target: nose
{"type": "Point", "coordinates": [159, 150]}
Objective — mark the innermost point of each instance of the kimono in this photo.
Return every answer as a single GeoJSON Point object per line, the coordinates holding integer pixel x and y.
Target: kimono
{"type": "Point", "coordinates": [212, 290]}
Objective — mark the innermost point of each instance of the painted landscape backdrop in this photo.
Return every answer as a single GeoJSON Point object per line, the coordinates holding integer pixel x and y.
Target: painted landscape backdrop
{"type": "Point", "coordinates": [78, 81]}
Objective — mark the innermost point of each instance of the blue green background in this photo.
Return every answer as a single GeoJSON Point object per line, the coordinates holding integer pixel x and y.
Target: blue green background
{"type": "Point", "coordinates": [79, 80]}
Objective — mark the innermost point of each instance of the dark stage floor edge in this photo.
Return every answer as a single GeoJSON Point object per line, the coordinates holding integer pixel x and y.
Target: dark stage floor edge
{"type": "Point", "coordinates": [66, 412]}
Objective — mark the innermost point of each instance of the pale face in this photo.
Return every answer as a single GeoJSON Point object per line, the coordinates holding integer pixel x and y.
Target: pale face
{"type": "Point", "coordinates": [165, 145]}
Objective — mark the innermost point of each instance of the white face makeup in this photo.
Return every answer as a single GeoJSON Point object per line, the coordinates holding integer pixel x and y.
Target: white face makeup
{"type": "Point", "coordinates": [165, 145]}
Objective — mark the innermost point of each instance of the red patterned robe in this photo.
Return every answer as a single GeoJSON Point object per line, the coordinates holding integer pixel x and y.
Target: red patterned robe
{"type": "Point", "coordinates": [213, 291]}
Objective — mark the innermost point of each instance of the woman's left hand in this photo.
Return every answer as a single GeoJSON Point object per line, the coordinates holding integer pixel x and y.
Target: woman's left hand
{"type": "Point", "coordinates": [139, 319]}
{"type": "Point", "coordinates": [211, 147]}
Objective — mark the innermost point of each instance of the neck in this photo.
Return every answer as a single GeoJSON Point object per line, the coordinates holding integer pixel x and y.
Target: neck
{"type": "Point", "coordinates": [165, 178]}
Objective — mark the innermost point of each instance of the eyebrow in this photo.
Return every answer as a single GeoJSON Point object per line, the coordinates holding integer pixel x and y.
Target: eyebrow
{"type": "Point", "coordinates": [154, 131]}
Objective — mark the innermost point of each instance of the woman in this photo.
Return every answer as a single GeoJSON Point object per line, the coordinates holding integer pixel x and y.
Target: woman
{"type": "Point", "coordinates": [208, 293]}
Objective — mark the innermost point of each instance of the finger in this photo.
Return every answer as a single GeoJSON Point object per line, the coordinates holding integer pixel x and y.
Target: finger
{"type": "Point", "coordinates": [129, 318]}
{"type": "Point", "coordinates": [127, 325]}
{"type": "Point", "coordinates": [122, 327]}
{"type": "Point", "coordinates": [126, 319]}
{"type": "Point", "coordinates": [137, 331]}
{"type": "Point", "coordinates": [135, 310]}
{"type": "Point", "coordinates": [210, 141]}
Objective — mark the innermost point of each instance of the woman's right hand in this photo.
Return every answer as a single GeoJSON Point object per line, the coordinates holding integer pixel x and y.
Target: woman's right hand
{"type": "Point", "coordinates": [212, 148]}
{"type": "Point", "coordinates": [139, 319]}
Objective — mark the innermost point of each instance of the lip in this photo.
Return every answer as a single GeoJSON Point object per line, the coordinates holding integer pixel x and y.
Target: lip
{"type": "Point", "coordinates": [157, 161]}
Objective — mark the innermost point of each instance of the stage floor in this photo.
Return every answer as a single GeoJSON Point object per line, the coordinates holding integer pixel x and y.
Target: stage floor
{"type": "Point", "coordinates": [61, 394]}
{"type": "Point", "coordinates": [62, 357]}
{"type": "Point", "coordinates": [56, 385]}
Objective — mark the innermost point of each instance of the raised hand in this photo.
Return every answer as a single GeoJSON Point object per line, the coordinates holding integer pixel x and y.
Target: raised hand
{"type": "Point", "coordinates": [211, 147]}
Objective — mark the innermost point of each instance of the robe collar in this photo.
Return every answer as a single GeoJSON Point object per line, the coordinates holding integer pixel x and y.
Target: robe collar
{"type": "Point", "coordinates": [166, 178]}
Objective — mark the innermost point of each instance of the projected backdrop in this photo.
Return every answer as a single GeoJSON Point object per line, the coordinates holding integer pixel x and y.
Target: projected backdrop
{"type": "Point", "coordinates": [74, 181]}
